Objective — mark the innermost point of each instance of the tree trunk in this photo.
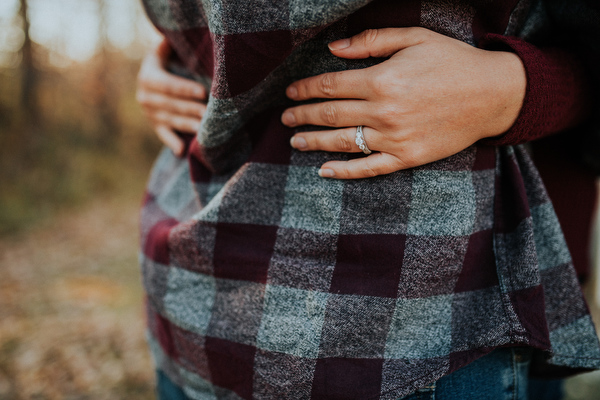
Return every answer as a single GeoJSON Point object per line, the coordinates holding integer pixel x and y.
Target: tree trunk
{"type": "Point", "coordinates": [106, 97]}
{"type": "Point", "coordinates": [29, 73]}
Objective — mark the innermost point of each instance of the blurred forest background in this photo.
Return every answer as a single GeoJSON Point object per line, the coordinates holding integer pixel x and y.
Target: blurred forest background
{"type": "Point", "coordinates": [75, 151]}
{"type": "Point", "coordinates": [70, 125]}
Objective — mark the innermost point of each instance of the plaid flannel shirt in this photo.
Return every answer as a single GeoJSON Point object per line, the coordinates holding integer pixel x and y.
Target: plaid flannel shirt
{"type": "Point", "coordinates": [266, 281]}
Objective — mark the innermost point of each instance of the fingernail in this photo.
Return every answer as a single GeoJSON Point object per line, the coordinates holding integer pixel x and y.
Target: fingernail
{"type": "Point", "coordinates": [292, 92]}
{"type": "Point", "coordinates": [326, 173]}
{"type": "Point", "coordinates": [288, 118]}
{"type": "Point", "coordinates": [339, 44]}
{"type": "Point", "coordinates": [298, 142]}
{"type": "Point", "coordinates": [198, 92]}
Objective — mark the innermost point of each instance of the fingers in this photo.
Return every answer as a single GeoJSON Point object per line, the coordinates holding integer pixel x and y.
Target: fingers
{"type": "Point", "coordinates": [154, 76]}
{"type": "Point", "coordinates": [171, 102]}
{"type": "Point", "coordinates": [343, 140]}
{"type": "Point", "coordinates": [365, 167]}
{"type": "Point", "coordinates": [158, 101]}
{"type": "Point", "coordinates": [379, 42]}
{"type": "Point", "coordinates": [170, 139]}
{"type": "Point", "coordinates": [338, 140]}
{"type": "Point", "coordinates": [180, 115]}
{"type": "Point", "coordinates": [175, 122]}
{"type": "Point", "coordinates": [340, 85]}
{"type": "Point", "coordinates": [159, 80]}
{"type": "Point", "coordinates": [353, 84]}
{"type": "Point", "coordinates": [331, 113]}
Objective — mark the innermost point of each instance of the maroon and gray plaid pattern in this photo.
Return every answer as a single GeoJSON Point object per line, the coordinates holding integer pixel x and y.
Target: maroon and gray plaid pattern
{"type": "Point", "coordinates": [266, 281]}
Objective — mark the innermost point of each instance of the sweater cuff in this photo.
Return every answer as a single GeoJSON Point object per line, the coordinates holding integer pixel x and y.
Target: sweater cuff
{"type": "Point", "coordinates": [555, 98]}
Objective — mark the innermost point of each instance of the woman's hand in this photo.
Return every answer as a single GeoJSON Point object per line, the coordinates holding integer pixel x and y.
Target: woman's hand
{"type": "Point", "coordinates": [171, 103]}
{"type": "Point", "coordinates": [433, 97]}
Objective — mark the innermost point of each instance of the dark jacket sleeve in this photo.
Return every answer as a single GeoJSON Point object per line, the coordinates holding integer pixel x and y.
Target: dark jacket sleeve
{"type": "Point", "coordinates": [556, 97]}
{"type": "Point", "coordinates": [562, 65]}
{"type": "Point", "coordinates": [563, 79]}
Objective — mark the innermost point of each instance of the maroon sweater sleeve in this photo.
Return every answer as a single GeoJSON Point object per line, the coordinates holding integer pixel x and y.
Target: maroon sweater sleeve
{"type": "Point", "coordinates": [556, 96]}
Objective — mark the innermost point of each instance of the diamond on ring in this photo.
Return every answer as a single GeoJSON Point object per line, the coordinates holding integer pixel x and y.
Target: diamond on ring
{"type": "Point", "coordinates": [360, 140]}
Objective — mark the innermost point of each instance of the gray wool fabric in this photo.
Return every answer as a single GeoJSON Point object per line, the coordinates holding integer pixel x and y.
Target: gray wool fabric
{"type": "Point", "coordinates": [266, 281]}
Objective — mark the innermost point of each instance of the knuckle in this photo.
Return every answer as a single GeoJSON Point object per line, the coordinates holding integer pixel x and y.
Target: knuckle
{"type": "Point", "coordinates": [327, 84]}
{"type": "Point", "coordinates": [329, 114]}
{"type": "Point", "coordinates": [420, 33]}
{"type": "Point", "coordinates": [182, 91]}
{"type": "Point", "coordinates": [369, 37]}
{"type": "Point", "coordinates": [369, 171]}
{"type": "Point", "coordinates": [381, 82]}
{"type": "Point", "coordinates": [344, 172]}
{"type": "Point", "coordinates": [342, 142]}
{"type": "Point", "coordinates": [191, 109]}
{"type": "Point", "coordinates": [417, 30]}
{"type": "Point", "coordinates": [181, 107]}
{"type": "Point", "coordinates": [387, 115]}
{"type": "Point", "coordinates": [402, 164]}
{"type": "Point", "coordinates": [410, 157]}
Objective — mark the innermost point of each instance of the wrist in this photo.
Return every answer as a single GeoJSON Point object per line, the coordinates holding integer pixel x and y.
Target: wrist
{"type": "Point", "coordinates": [507, 89]}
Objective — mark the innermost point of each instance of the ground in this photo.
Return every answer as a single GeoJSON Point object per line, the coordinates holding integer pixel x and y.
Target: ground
{"type": "Point", "coordinates": [71, 308]}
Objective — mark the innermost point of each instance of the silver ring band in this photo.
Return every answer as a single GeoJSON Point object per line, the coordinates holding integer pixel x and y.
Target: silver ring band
{"type": "Point", "coordinates": [360, 140]}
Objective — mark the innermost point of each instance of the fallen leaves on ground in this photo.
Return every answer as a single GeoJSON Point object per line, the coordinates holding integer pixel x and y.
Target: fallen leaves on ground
{"type": "Point", "coordinates": [71, 308]}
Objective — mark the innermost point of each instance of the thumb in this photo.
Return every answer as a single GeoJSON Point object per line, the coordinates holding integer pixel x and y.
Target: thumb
{"type": "Point", "coordinates": [378, 42]}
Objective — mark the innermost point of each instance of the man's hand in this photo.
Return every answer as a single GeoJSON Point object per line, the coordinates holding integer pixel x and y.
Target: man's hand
{"type": "Point", "coordinates": [171, 103]}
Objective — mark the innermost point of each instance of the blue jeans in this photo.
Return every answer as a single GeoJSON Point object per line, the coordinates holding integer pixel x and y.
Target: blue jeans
{"type": "Point", "coordinates": [502, 374]}
{"type": "Point", "coordinates": [166, 389]}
